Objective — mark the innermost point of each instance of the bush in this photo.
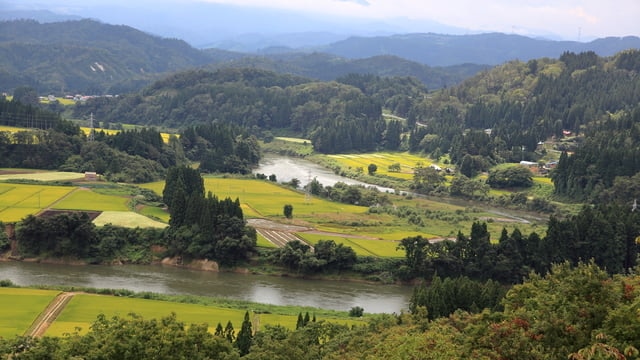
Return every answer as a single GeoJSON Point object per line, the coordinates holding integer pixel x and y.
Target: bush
{"type": "Point", "coordinates": [356, 311]}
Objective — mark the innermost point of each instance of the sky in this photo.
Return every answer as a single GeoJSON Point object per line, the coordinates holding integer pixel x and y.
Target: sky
{"type": "Point", "coordinates": [566, 18]}
{"type": "Point", "coordinates": [580, 20]}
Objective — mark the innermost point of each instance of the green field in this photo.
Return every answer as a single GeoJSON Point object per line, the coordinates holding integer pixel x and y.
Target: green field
{"type": "Point", "coordinates": [86, 199]}
{"type": "Point", "coordinates": [362, 247]}
{"type": "Point", "coordinates": [83, 309]}
{"type": "Point", "coordinates": [19, 200]}
{"type": "Point", "coordinates": [20, 307]}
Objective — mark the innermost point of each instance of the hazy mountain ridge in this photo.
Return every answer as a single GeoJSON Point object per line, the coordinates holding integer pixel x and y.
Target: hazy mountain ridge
{"type": "Point", "coordinates": [492, 48]}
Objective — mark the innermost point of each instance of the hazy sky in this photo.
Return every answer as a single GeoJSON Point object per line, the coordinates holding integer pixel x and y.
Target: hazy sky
{"type": "Point", "coordinates": [567, 19]}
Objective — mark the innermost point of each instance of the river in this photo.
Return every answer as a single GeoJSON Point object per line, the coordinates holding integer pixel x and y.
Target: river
{"type": "Point", "coordinates": [274, 290]}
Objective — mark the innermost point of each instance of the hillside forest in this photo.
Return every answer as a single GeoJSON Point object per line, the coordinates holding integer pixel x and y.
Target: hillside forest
{"type": "Point", "coordinates": [488, 298]}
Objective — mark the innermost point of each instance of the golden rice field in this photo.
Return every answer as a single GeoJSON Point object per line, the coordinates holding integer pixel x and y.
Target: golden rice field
{"type": "Point", "coordinates": [19, 200]}
{"type": "Point", "coordinates": [87, 131]}
{"type": "Point", "coordinates": [261, 198]}
{"type": "Point", "coordinates": [383, 160]}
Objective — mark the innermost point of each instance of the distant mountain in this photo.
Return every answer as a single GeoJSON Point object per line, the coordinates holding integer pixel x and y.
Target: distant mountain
{"type": "Point", "coordinates": [327, 67]}
{"type": "Point", "coordinates": [43, 16]}
{"type": "Point", "coordinates": [87, 56]}
{"type": "Point", "coordinates": [492, 49]}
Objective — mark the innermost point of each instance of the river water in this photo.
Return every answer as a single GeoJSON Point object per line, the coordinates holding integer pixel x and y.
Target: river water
{"type": "Point", "coordinates": [274, 290]}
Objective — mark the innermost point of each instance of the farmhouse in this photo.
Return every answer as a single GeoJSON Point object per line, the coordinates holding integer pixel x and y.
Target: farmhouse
{"type": "Point", "coordinates": [90, 176]}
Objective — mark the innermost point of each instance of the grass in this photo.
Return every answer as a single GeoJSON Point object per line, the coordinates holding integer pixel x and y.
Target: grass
{"type": "Point", "coordinates": [20, 307]}
{"type": "Point", "coordinates": [127, 219]}
{"type": "Point", "coordinates": [155, 212]}
{"type": "Point", "coordinates": [85, 199]}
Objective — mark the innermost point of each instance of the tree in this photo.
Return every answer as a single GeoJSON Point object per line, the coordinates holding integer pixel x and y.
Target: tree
{"type": "Point", "coordinates": [245, 336]}
{"type": "Point", "coordinates": [513, 176]}
{"type": "Point", "coordinates": [372, 168]}
{"type": "Point", "coordinates": [288, 211]}
{"type": "Point", "coordinates": [26, 95]}
{"type": "Point", "coordinates": [229, 332]}
{"type": "Point", "coordinates": [395, 167]}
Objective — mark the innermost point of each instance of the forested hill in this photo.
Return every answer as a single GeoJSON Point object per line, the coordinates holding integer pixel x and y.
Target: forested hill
{"type": "Point", "coordinates": [328, 67]}
{"type": "Point", "coordinates": [492, 49]}
{"type": "Point", "coordinates": [87, 56]}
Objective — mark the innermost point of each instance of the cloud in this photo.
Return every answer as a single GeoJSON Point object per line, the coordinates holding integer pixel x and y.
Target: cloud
{"type": "Point", "coordinates": [359, 2]}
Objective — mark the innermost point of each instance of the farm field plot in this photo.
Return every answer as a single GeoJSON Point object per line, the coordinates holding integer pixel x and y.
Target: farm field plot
{"type": "Point", "coordinates": [43, 176]}
{"type": "Point", "coordinates": [83, 309]}
{"type": "Point", "coordinates": [86, 131]}
{"type": "Point", "coordinates": [85, 199]}
{"type": "Point", "coordinates": [383, 160]}
{"type": "Point", "coordinates": [127, 219]}
{"type": "Point", "coordinates": [19, 200]}
{"type": "Point", "coordinates": [20, 307]}
{"type": "Point", "coordinates": [264, 199]}
{"type": "Point", "coordinates": [362, 247]}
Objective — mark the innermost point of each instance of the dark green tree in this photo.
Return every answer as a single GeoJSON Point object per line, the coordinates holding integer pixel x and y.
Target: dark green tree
{"type": "Point", "coordinates": [288, 211]}
{"type": "Point", "coordinates": [245, 336]}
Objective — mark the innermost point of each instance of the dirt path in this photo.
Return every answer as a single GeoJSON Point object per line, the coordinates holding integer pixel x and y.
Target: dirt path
{"type": "Point", "coordinates": [49, 315]}
{"type": "Point", "coordinates": [280, 234]}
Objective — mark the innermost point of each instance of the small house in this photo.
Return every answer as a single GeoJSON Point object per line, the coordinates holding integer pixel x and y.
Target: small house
{"type": "Point", "coordinates": [90, 176]}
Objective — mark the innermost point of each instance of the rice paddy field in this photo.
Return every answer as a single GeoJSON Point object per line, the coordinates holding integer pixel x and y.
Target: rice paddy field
{"type": "Point", "coordinates": [383, 160]}
{"type": "Point", "coordinates": [86, 199]}
{"type": "Point", "coordinates": [20, 200]}
{"type": "Point", "coordinates": [127, 219]}
{"type": "Point", "coordinates": [20, 307]}
{"type": "Point", "coordinates": [83, 309]}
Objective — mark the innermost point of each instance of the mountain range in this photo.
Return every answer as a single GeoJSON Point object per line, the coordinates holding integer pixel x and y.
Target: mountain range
{"type": "Point", "coordinates": [87, 56]}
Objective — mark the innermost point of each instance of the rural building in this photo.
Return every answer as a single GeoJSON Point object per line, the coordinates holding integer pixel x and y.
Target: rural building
{"type": "Point", "coordinates": [90, 176]}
